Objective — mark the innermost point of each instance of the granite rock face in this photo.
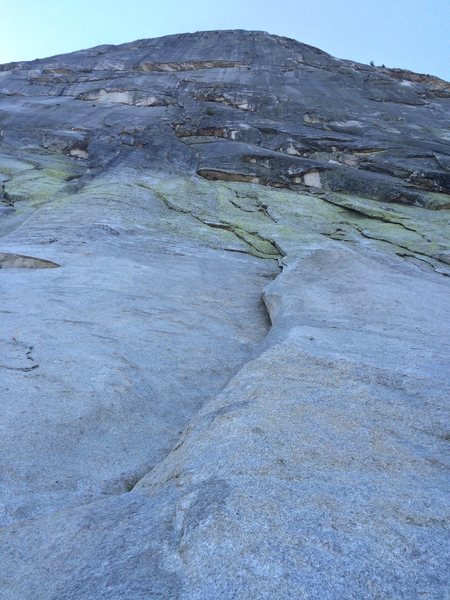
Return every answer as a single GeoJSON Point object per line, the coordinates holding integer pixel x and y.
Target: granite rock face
{"type": "Point", "coordinates": [225, 312]}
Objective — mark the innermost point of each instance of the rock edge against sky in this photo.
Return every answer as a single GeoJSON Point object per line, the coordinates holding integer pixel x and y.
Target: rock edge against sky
{"type": "Point", "coordinates": [225, 324]}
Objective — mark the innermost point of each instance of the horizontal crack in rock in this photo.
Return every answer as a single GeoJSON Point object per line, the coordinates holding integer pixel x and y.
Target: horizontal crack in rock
{"type": "Point", "coordinates": [164, 67]}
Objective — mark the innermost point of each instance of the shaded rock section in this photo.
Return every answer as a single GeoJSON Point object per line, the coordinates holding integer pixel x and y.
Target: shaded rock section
{"type": "Point", "coordinates": [287, 114]}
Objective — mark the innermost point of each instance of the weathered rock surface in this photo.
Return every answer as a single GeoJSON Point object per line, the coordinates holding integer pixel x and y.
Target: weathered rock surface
{"type": "Point", "coordinates": [225, 312]}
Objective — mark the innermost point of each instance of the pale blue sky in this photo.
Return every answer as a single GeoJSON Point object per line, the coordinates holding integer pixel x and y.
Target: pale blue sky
{"type": "Point", "coordinates": [412, 34]}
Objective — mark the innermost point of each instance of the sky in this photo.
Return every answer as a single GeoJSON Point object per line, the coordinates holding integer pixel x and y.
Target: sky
{"type": "Point", "coordinates": [412, 34]}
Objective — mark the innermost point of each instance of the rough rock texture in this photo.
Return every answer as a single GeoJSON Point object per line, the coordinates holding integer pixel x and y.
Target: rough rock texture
{"type": "Point", "coordinates": [225, 313]}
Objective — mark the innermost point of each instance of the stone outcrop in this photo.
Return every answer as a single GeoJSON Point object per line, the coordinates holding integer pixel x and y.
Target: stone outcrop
{"type": "Point", "coordinates": [224, 353]}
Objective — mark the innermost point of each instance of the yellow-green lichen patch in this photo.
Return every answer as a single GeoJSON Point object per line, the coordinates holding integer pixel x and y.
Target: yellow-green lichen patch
{"type": "Point", "coordinates": [34, 186]}
{"type": "Point", "coordinates": [37, 179]}
{"type": "Point", "coordinates": [219, 222]}
{"type": "Point", "coordinates": [269, 222]}
{"type": "Point", "coordinates": [414, 229]}
{"type": "Point", "coordinates": [10, 167]}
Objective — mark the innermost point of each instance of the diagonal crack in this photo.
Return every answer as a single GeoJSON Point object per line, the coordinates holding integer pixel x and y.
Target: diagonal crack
{"type": "Point", "coordinates": [414, 252]}
{"type": "Point", "coordinates": [360, 211]}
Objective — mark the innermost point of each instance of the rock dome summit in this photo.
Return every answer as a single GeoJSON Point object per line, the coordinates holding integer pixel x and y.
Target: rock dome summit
{"type": "Point", "coordinates": [225, 324]}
